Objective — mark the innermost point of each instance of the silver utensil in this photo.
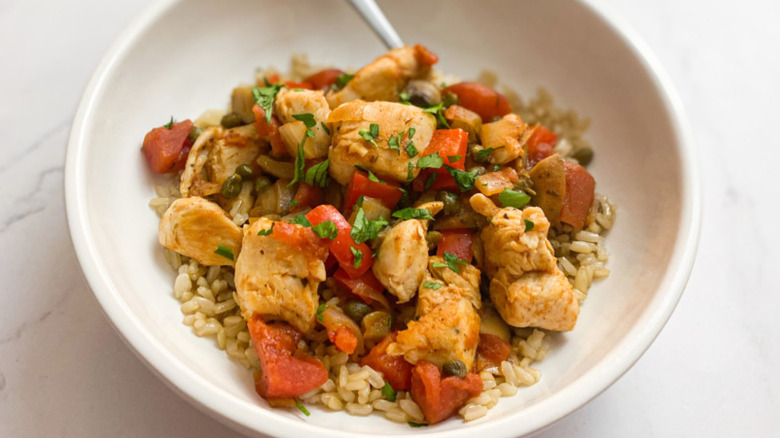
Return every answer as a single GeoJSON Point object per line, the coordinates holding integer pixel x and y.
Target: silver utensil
{"type": "Point", "coordinates": [371, 13]}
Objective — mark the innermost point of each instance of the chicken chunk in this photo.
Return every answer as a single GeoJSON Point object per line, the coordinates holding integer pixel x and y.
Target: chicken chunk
{"type": "Point", "coordinates": [403, 258]}
{"type": "Point", "coordinates": [194, 181]}
{"type": "Point", "coordinates": [448, 327]}
{"type": "Point", "coordinates": [277, 275]}
{"type": "Point", "coordinates": [535, 299]}
{"type": "Point", "coordinates": [384, 78]}
{"type": "Point", "coordinates": [290, 102]}
{"type": "Point", "coordinates": [196, 228]}
{"type": "Point", "coordinates": [351, 126]}
{"type": "Point", "coordinates": [527, 287]}
{"type": "Point", "coordinates": [507, 136]}
{"type": "Point", "coordinates": [230, 149]}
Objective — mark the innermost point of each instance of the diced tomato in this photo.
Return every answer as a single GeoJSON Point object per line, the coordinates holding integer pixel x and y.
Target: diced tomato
{"type": "Point", "coordinates": [540, 145]}
{"type": "Point", "coordinates": [424, 55]}
{"type": "Point", "coordinates": [300, 238]}
{"type": "Point", "coordinates": [272, 79]}
{"type": "Point", "coordinates": [493, 349]}
{"type": "Point", "coordinates": [341, 246]}
{"type": "Point", "coordinates": [367, 287]}
{"type": "Point", "coordinates": [344, 339]}
{"type": "Point", "coordinates": [394, 369]}
{"type": "Point", "coordinates": [449, 143]}
{"type": "Point", "coordinates": [307, 196]}
{"type": "Point", "coordinates": [323, 79]}
{"type": "Point", "coordinates": [387, 192]}
{"type": "Point", "coordinates": [269, 130]}
{"type": "Point", "coordinates": [165, 149]}
{"type": "Point", "coordinates": [440, 398]}
{"type": "Point", "coordinates": [580, 191]}
{"type": "Point", "coordinates": [457, 242]}
{"type": "Point", "coordinates": [483, 100]}
{"type": "Point", "coordinates": [285, 371]}
{"type": "Point", "coordinates": [305, 85]}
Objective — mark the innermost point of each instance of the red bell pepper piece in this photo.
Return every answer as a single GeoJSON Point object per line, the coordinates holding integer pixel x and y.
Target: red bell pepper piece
{"type": "Point", "coordinates": [285, 371]}
{"type": "Point", "coordinates": [166, 149]}
{"type": "Point", "coordinates": [449, 143]}
{"type": "Point", "coordinates": [341, 246]}
{"type": "Point", "coordinates": [269, 130]}
{"type": "Point", "coordinates": [540, 145]}
{"type": "Point", "coordinates": [457, 242]}
{"type": "Point", "coordinates": [425, 56]}
{"type": "Point", "coordinates": [493, 349]}
{"type": "Point", "coordinates": [387, 192]}
{"type": "Point", "coordinates": [323, 79]}
{"type": "Point", "coordinates": [301, 238]}
{"type": "Point", "coordinates": [307, 196]}
{"type": "Point", "coordinates": [344, 339]}
{"type": "Point", "coordinates": [481, 99]}
{"type": "Point", "coordinates": [367, 287]}
{"type": "Point", "coordinates": [440, 398]}
{"type": "Point", "coordinates": [580, 191]}
{"type": "Point", "coordinates": [394, 369]}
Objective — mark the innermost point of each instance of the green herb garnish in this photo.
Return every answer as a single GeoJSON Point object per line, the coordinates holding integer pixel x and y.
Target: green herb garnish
{"type": "Point", "coordinates": [371, 134]}
{"type": "Point", "coordinates": [433, 161]}
{"type": "Point", "coordinates": [317, 175]}
{"type": "Point", "coordinates": [342, 80]}
{"type": "Point", "coordinates": [411, 133]}
{"type": "Point", "coordinates": [411, 149]}
{"type": "Point", "coordinates": [266, 232]}
{"type": "Point", "coordinates": [430, 180]}
{"type": "Point", "coordinates": [307, 119]}
{"type": "Point", "coordinates": [437, 111]}
{"type": "Point", "coordinates": [364, 229]}
{"type": "Point", "coordinates": [484, 154]}
{"type": "Point", "coordinates": [358, 257]}
{"type": "Point", "coordinates": [169, 124]}
{"type": "Point", "coordinates": [450, 261]}
{"type": "Point", "coordinates": [301, 220]}
{"type": "Point", "coordinates": [301, 407]}
{"type": "Point", "coordinates": [529, 225]}
{"type": "Point", "coordinates": [326, 230]}
{"type": "Point", "coordinates": [389, 392]}
{"type": "Point", "coordinates": [264, 98]}
{"type": "Point", "coordinates": [465, 180]}
{"type": "Point", "coordinates": [320, 309]}
{"type": "Point", "coordinates": [410, 173]}
{"type": "Point", "coordinates": [404, 97]}
{"type": "Point", "coordinates": [413, 213]}
{"type": "Point", "coordinates": [293, 203]}
{"type": "Point", "coordinates": [224, 252]}
{"type": "Point", "coordinates": [453, 158]}
{"type": "Point", "coordinates": [325, 127]}
{"type": "Point", "coordinates": [513, 198]}
{"type": "Point", "coordinates": [432, 285]}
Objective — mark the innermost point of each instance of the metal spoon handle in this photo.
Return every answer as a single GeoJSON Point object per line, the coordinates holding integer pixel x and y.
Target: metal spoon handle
{"type": "Point", "coordinates": [378, 22]}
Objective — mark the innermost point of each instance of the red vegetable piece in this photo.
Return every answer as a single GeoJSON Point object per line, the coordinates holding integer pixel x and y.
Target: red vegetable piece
{"type": "Point", "coordinates": [388, 193]}
{"type": "Point", "coordinates": [540, 145]}
{"type": "Point", "coordinates": [493, 349]}
{"type": "Point", "coordinates": [440, 398]}
{"type": "Point", "coordinates": [457, 242]}
{"type": "Point", "coordinates": [285, 371]}
{"type": "Point", "coordinates": [307, 196]}
{"type": "Point", "coordinates": [394, 369]}
{"type": "Point", "coordinates": [270, 131]}
{"type": "Point", "coordinates": [449, 143]}
{"type": "Point", "coordinates": [305, 85]}
{"type": "Point", "coordinates": [424, 55]}
{"type": "Point", "coordinates": [301, 238]}
{"type": "Point", "coordinates": [340, 246]}
{"type": "Point", "coordinates": [323, 79]}
{"type": "Point", "coordinates": [366, 287]}
{"type": "Point", "coordinates": [580, 191]}
{"type": "Point", "coordinates": [483, 100]}
{"type": "Point", "coordinates": [344, 339]}
{"type": "Point", "coordinates": [166, 149]}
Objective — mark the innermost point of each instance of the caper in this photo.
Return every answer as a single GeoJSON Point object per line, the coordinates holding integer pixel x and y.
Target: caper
{"type": "Point", "coordinates": [433, 238]}
{"type": "Point", "coordinates": [583, 155]}
{"type": "Point", "coordinates": [448, 99]}
{"type": "Point", "coordinates": [232, 186]}
{"type": "Point", "coordinates": [454, 368]}
{"type": "Point", "coordinates": [450, 200]}
{"type": "Point", "coordinates": [194, 133]}
{"type": "Point", "coordinates": [261, 183]}
{"type": "Point", "coordinates": [245, 171]}
{"type": "Point", "coordinates": [231, 120]}
{"type": "Point", "coordinates": [357, 310]}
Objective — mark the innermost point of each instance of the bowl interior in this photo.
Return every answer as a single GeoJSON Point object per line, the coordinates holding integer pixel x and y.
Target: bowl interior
{"type": "Point", "coordinates": [187, 57]}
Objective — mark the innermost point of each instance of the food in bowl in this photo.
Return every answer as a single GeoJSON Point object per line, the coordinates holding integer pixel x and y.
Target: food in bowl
{"type": "Point", "coordinates": [391, 240]}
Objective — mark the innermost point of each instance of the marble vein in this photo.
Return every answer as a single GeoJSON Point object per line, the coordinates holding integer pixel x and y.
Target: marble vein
{"type": "Point", "coordinates": [37, 143]}
{"type": "Point", "coordinates": [36, 206]}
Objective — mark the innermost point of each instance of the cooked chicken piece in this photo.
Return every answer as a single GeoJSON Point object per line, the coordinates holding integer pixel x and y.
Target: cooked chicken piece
{"type": "Point", "coordinates": [230, 149]}
{"type": "Point", "coordinates": [448, 327]}
{"type": "Point", "coordinates": [509, 246]}
{"type": "Point", "coordinates": [290, 102]}
{"type": "Point", "coordinates": [194, 181]}
{"type": "Point", "coordinates": [507, 137]}
{"type": "Point", "coordinates": [535, 299]}
{"type": "Point", "coordinates": [279, 280]}
{"type": "Point", "coordinates": [196, 228]}
{"type": "Point", "coordinates": [527, 287]}
{"type": "Point", "coordinates": [403, 258]}
{"type": "Point", "coordinates": [384, 78]}
{"type": "Point", "coordinates": [350, 148]}
{"type": "Point", "coordinates": [449, 332]}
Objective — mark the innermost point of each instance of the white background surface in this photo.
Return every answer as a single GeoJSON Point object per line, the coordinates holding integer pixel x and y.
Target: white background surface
{"type": "Point", "coordinates": [712, 372]}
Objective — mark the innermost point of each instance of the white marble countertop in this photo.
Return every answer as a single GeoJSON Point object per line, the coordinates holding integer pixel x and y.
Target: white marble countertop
{"type": "Point", "coordinates": [712, 372]}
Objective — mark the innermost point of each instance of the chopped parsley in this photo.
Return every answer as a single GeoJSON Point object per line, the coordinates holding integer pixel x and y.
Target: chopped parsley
{"type": "Point", "coordinates": [326, 229]}
{"type": "Point", "coordinates": [169, 125]}
{"type": "Point", "coordinates": [453, 158]}
{"type": "Point", "coordinates": [224, 252]}
{"type": "Point", "coordinates": [266, 232]}
{"type": "Point", "coordinates": [320, 309]}
{"type": "Point", "coordinates": [307, 119]}
{"type": "Point", "coordinates": [465, 180]}
{"type": "Point", "coordinates": [413, 213]}
{"type": "Point", "coordinates": [410, 173]}
{"type": "Point", "coordinates": [293, 203]}
{"type": "Point", "coordinates": [342, 80]}
{"type": "Point", "coordinates": [496, 167]}
{"type": "Point", "coordinates": [411, 133]}
{"type": "Point", "coordinates": [432, 285]}
{"type": "Point", "coordinates": [513, 198]}
{"type": "Point", "coordinates": [372, 177]}
{"type": "Point", "coordinates": [317, 175]}
{"type": "Point", "coordinates": [413, 424]}
{"type": "Point", "coordinates": [301, 220]}
{"type": "Point", "coordinates": [433, 161]}
{"type": "Point", "coordinates": [450, 261]}
{"type": "Point", "coordinates": [264, 98]}
{"type": "Point", "coordinates": [371, 134]}
{"type": "Point", "coordinates": [437, 111]}
{"type": "Point", "coordinates": [430, 180]}
{"type": "Point", "coordinates": [301, 407]}
{"type": "Point", "coordinates": [394, 142]}
{"type": "Point", "coordinates": [484, 154]}
{"type": "Point", "coordinates": [364, 229]}
{"type": "Point", "coordinates": [529, 225]}
{"type": "Point", "coordinates": [389, 392]}
{"type": "Point", "coordinates": [325, 127]}
{"type": "Point", "coordinates": [404, 96]}
{"type": "Point", "coordinates": [411, 149]}
{"type": "Point", "coordinates": [358, 257]}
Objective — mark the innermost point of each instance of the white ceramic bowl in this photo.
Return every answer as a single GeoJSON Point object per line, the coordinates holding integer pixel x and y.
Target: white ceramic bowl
{"type": "Point", "coordinates": [182, 57]}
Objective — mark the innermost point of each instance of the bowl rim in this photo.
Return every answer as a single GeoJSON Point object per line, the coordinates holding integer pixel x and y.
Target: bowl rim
{"type": "Point", "coordinates": [205, 396]}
